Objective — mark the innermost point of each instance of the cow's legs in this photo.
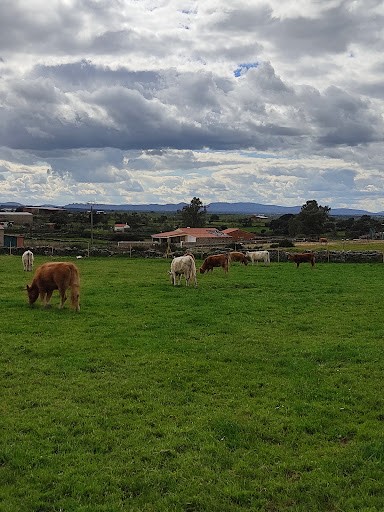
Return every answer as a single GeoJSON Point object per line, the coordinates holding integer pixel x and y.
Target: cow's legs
{"type": "Point", "coordinates": [63, 298]}
{"type": "Point", "coordinates": [47, 298]}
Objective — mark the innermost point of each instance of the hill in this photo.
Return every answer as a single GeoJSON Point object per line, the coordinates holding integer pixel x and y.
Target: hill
{"type": "Point", "coordinates": [240, 208]}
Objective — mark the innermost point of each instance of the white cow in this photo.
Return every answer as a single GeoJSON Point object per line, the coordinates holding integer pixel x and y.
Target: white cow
{"type": "Point", "coordinates": [258, 256]}
{"type": "Point", "coordinates": [183, 265]}
{"type": "Point", "coordinates": [27, 259]}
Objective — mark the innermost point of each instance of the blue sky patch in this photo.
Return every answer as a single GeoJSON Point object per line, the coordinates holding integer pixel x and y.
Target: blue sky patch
{"type": "Point", "coordinates": [243, 68]}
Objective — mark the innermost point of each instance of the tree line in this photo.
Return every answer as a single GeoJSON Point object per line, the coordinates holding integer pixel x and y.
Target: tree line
{"type": "Point", "coordinates": [312, 221]}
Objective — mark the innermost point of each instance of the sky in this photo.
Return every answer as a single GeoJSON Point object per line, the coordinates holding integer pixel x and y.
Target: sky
{"type": "Point", "coordinates": [160, 101]}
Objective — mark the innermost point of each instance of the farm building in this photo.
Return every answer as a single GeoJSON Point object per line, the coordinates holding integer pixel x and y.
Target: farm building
{"type": "Point", "coordinates": [48, 210]}
{"type": "Point", "coordinates": [185, 237]}
{"type": "Point", "coordinates": [238, 234]}
{"type": "Point", "coordinates": [121, 228]}
{"type": "Point", "coordinates": [10, 240]}
{"type": "Point", "coordinates": [16, 217]}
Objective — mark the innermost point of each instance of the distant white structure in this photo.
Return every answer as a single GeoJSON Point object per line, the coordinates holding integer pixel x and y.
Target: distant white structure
{"type": "Point", "coordinates": [121, 228]}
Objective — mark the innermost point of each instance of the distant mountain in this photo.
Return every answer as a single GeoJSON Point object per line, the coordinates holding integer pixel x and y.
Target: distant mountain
{"type": "Point", "coordinates": [217, 208]}
{"type": "Point", "coordinates": [10, 205]}
{"type": "Point", "coordinates": [252, 208]}
{"type": "Point", "coordinates": [350, 212]}
{"type": "Point", "coordinates": [127, 207]}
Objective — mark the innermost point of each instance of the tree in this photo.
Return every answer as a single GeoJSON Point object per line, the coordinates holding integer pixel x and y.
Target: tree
{"type": "Point", "coordinates": [214, 218]}
{"type": "Point", "coordinates": [280, 226]}
{"type": "Point", "coordinates": [194, 215]}
{"type": "Point", "coordinates": [364, 225]}
{"type": "Point", "coordinates": [312, 218]}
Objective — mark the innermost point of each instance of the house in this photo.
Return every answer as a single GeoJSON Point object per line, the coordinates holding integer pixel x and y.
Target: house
{"type": "Point", "coordinates": [16, 217]}
{"type": "Point", "coordinates": [239, 235]}
{"type": "Point", "coordinates": [121, 228]}
{"type": "Point", "coordinates": [186, 237]}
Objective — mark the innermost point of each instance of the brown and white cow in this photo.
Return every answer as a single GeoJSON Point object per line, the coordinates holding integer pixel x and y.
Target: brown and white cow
{"type": "Point", "coordinates": [216, 260]}
{"type": "Point", "coordinates": [55, 276]}
{"type": "Point", "coordinates": [304, 257]}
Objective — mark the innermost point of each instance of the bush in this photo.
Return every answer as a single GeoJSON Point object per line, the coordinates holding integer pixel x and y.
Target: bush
{"type": "Point", "coordinates": [283, 243]}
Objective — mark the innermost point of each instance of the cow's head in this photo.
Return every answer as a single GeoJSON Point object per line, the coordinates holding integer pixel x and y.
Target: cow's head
{"type": "Point", "coordinates": [33, 293]}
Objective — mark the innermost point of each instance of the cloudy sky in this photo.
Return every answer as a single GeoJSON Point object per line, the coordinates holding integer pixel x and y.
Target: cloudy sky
{"type": "Point", "coordinates": [158, 101]}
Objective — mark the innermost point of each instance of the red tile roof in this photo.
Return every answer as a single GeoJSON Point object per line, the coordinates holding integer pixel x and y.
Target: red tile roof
{"type": "Point", "coordinates": [239, 233]}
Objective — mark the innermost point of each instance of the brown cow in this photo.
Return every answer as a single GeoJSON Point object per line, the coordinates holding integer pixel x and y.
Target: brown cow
{"type": "Point", "coordinates": [55, 276]}
{"type": "Point", "coordinates": [302, 258]}
{"type": "Point", "coordinates": [238, 256]}
{"type": "Point", "coordinates": [216, 260]}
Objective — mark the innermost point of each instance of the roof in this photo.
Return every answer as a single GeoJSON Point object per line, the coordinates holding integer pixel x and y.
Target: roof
{"type": "Point", "coordinates": [196, 232]}
{"type": "Point", "coordinates": [230, 230]}
{"type": "Point", "coordinates": [16, 214]}
{"type": "Point", "coordinates": [239, 233]}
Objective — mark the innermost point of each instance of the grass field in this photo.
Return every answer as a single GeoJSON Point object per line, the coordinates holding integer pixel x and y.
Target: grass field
{"type": "Point", "coordinates": [260, 390]}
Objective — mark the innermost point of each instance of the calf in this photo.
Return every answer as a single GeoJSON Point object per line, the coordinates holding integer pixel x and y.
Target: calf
{"type": "Point", "coordinates": [216, 260]}
{"type": "Point", "coordinates": [304, 257]}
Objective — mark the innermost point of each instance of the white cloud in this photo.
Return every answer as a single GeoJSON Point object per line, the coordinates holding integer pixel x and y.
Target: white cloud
{"type": "Point", "coordinates": [141, 101]}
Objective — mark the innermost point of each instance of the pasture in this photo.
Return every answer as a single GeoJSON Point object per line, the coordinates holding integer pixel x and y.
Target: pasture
{"type": "Point", "coordinates": [259, 390]}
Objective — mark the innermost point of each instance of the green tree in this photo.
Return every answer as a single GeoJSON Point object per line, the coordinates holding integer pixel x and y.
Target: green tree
{"type": "Point", "coordinates": [364, 226]}
{"type": "Point", "coordinates": [280, 226]}
{"type": "Point", "coordinates": [194, 215]}
{"type": "Point", "coordinates": [312, 218]}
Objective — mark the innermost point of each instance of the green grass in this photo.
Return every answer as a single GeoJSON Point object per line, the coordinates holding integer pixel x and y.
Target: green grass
{"type": "Point", "coordinates": [260, 390]}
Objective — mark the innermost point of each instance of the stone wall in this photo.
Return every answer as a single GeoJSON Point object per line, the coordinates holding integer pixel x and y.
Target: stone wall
{"type": "Point", "coordinates": [276, 255]}
{"type": "Point", "coordinates": [325, 256]}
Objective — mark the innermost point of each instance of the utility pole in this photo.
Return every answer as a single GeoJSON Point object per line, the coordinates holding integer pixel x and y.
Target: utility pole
{"type": "Point", "coordinates": [91, 224]}
{"type": "Point", "coordinates": [91, 204]}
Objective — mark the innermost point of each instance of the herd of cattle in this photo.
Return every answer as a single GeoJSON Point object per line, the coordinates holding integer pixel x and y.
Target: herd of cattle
{"type": "Point", "coordinates": [185, 265]}
{"type": "Point", "coordinates": [63, 275]}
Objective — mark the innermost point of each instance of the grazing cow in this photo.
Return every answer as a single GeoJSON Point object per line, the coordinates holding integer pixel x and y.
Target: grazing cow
{"type": "Point", "coordinates": [323, 240]}
{"type": "Point", "coordinates": [305, 257]}
{"type": "Point", "coordinates": [216, 260]}
{"type": "Point", "coordinates": [183, 265]}
{"type": "Point", "coordinates": [258, 256]}
{"type": "Point", "coordinates": [55, 276]}
{"type": "Point", "coordinates": [27, 259]}
{"type": "Point", "coordinates": [238, 256]}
